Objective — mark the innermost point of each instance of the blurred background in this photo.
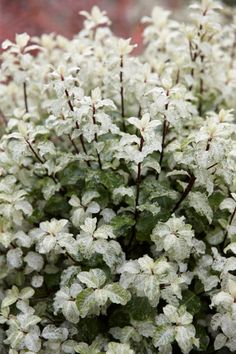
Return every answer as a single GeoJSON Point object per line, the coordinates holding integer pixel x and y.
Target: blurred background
{"type": "Point", "coordinates": [61, 16]}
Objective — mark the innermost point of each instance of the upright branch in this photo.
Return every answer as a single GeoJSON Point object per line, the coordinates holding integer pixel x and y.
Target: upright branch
{"type": "Point", "coordinates": [122, 91]}
{"type": "Point", "coordinates": [138, 181]}
{"type": "Point", "coordinates": [40, 160]}
{"type": "Point", "coordinates": [193, 55]}
{"type": "Point", "coordinates": [81, 137]}
{"type": "Point", "coordinates": [177, 77]}
{"type": "Point", "coordinates": [185, 192]}
{"type": "Point", "coordinates": [201, 87]}
{"type": "Point", "coordinates": [192, 180]}
{"type": "Point", "coordinates": [233, 52]}
{"type": "Point", "coordinates": [164, 133]}
{"type": "Point", "coordinates": [34, 152]}
{"type": "Point", "coordinates": [68, 100]}
{"type": "Point", "coordinates": [96, 136]}
{"type": "Point", "coordinates": [209, 140]}
{"type": "Point", "coordinates": [233, 55]}
{"type": "Point", "coordinates": [77, 124]}
{"type": "Point", "coordinates": [3, 118]}
{"type": "Point", "coordinates": [72, 140]}
{"type": "Point", "coordinates": [25, 97]}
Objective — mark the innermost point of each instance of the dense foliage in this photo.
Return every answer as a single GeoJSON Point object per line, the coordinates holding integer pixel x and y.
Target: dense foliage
{"type": "Point", "coordinates": [118, 189]}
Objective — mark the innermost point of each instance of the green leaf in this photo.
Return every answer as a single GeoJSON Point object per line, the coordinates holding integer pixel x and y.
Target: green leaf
{"type": "Point", "coordinates": [119, 317]}
{"type": "Point", "coordinates": [52, 280]}
{"type": "Point", "coordinates": [38, 214]}
{"type": "Point", "coordinates": [204, 340]}
{"type": "Point", "coordinates": [215, 199]}
{"type": "Point", "coordinates": [73, 174]}
{"type": "Point", "coordinates": [191, 301]}
{"type": "Point", "coordinates": [111, 179]}
{"type": "Point", "coordinates": [57, 205]}
{"type": "Point", "coordinates": [145, 310]}
{"type": "Point", "coordinates": [144, 226]}
{"type": "Point", "coordinates": [84, 301]}
{"type": "Point", "coordinates": [107, 178]}
{"type": "Point", "coordinates": [122, 224]}
{"type": "Point", "coordinates": [90, 328]}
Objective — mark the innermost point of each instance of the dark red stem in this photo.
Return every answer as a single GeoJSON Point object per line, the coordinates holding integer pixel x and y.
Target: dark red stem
{"type": "Point", "coordinates": [25, 97]}
{"type": "Point", "coordinates": [95, 136]}
{"type": "Point", "coordinates": [185, 193]}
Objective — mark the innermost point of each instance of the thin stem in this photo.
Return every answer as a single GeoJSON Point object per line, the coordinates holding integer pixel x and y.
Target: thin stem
{"type": "Point", "coordinates": [25, 97]}
{"type": "Point", "coordinates": [201, 89]}
{"type": "Point", "coordinates": [232, 55]}
{"type": "Point", "coordinates": [69, 101]}
{"type": "Point", "coordinates": [232, 216]}
{"type": "Point", "coordinates": [3, 118]}
{"type": "Point", "coordinates": [122, 91]}
{"type": "Point", "coordinates": [40, 160]}
{"type": "Point", "coordinates": [193, 56]}
{"type": "Point", "coordinates": [72, 140]}
{"type": "Point", "coordinates": [233, 52]}
{"type": "Point", "coordinates": [208, 143]}
{"type": "Point", "coordinates": [95, 136]}
{"type": "Point", "coordinates": [138, 181]}
{"type": "Point", "coordinates": [77, 124]}
{"type": "Point", "coordinates": [81, 137]}
{"type": "Point", "coordinates": [139, 111]}
{"type": "Point", "coordinates": [191, 50]}
{"type": "Point", "coordinates": [214, 164]}
{"type": "Point", "coordinates": [164, 134]}
{"type": "Point", "coordinates": [230, 223]}
{"type": "Point", "coordinates": [185, 193]}
{"type": "Point", "coordinates": [73, 143]}
{"type": "Point", "coordinates": [177, 77]}
{"type": "Point", "coordinates": [34, 152]}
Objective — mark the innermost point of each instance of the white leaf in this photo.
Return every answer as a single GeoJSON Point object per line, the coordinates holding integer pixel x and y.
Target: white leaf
{"type": "Point", "coordinates": [26, 293]}
{"type": "Point", "coordinates": [70, 311]}
{"type": "Point", "coordinates": [117, 294]}
{"type": "Point", "coordinates": [220, 341]}
{"type": "Point", "coordinates": [184, 337]}
{"type": "Point", "coordinates": [93, 279]}
{"type": "Point", "coordinates": [32, 342]}
{"type": "Point", "coordinates": [54, 333]}
{"type": "Point", "coordinates": [199, 202]}
{"type": "Point", "coordinates": [163, 335]}
{"type": "Point", "coordinates": [11, 297]}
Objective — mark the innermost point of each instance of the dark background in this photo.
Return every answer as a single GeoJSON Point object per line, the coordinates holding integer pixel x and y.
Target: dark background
{"type": "Point", "coordinates": [61, 16]}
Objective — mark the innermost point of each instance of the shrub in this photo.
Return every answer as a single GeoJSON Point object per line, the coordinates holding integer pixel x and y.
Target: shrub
{"type": "Point", "coordinates": [118, 189]}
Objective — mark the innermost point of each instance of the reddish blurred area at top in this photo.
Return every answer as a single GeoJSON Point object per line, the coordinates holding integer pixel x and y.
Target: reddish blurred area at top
{"type": "Point", "coordinates": [61, 16]}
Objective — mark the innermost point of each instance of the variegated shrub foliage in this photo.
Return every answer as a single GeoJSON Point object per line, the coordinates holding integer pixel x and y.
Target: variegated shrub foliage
{"type": "Point", "coordinates": [118, 189]}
